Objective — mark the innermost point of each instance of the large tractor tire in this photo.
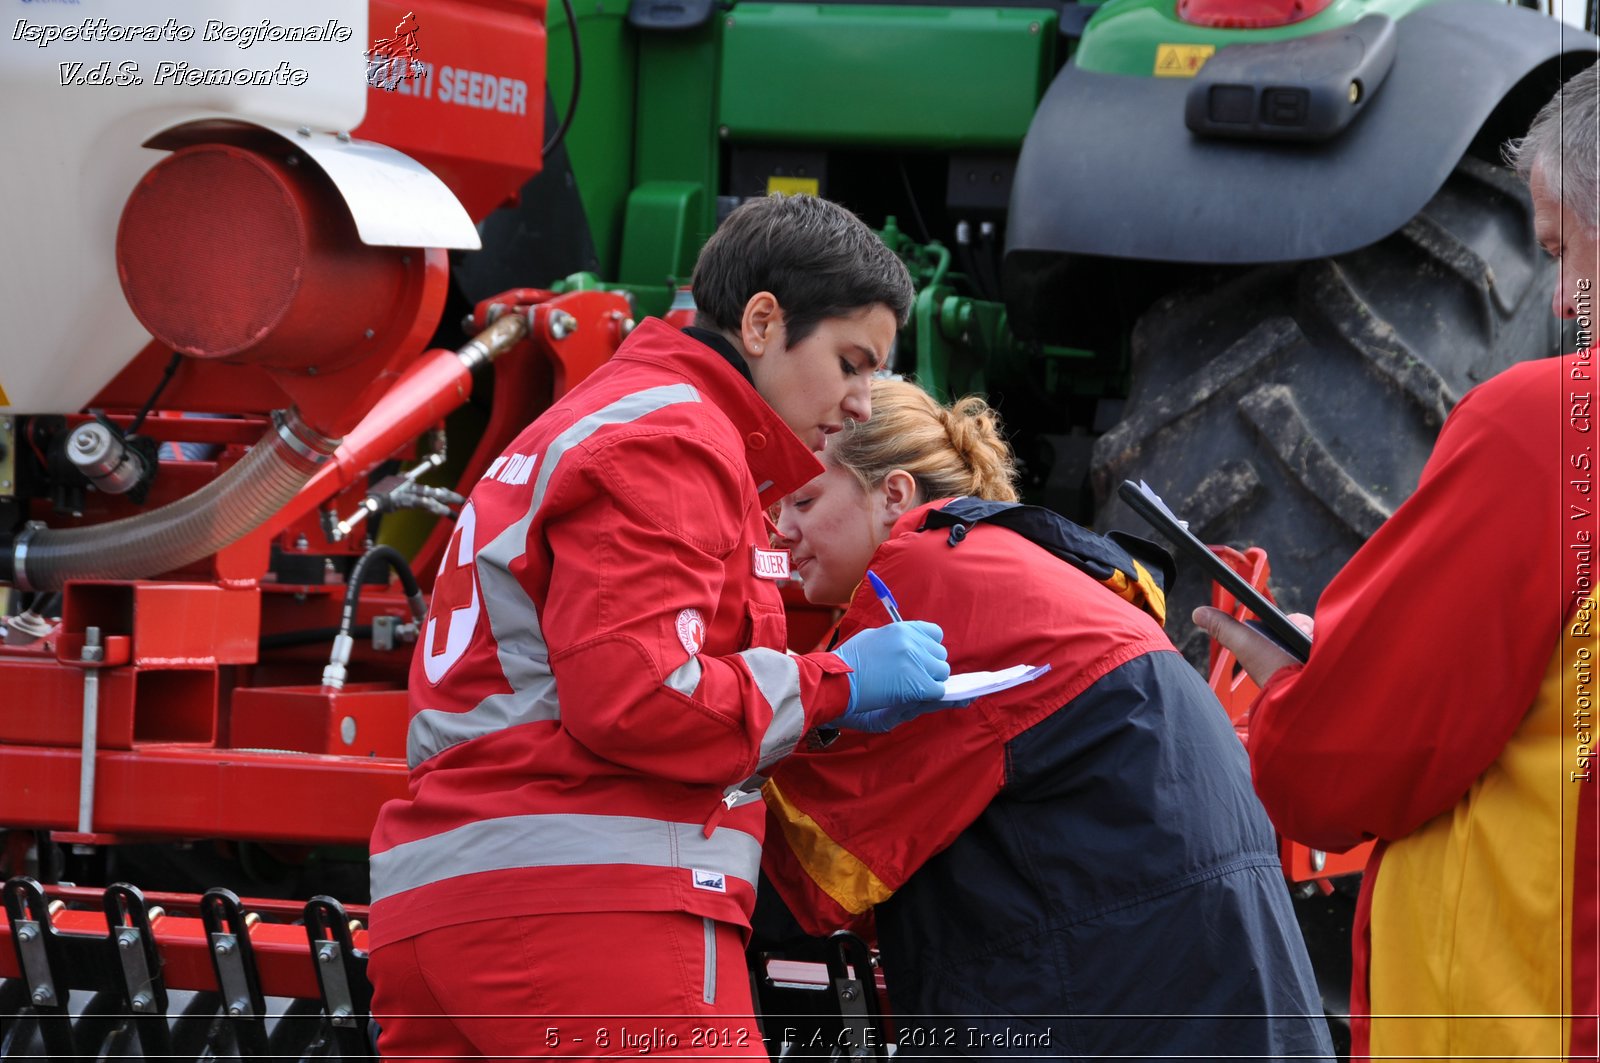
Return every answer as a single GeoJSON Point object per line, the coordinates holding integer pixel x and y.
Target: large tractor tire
{"type": "Point", "coordinates": [1292, 407]}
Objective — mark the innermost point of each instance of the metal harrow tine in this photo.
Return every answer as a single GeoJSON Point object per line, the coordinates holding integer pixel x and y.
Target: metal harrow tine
{"type": "Point", "coordinates": [134, 952]}
{"type": "Point", "coordinates": [235, 964]}
{"type": "Point", "coordinates": [342, 974]}
{"type": "Point", "coordinates": [38, 957]}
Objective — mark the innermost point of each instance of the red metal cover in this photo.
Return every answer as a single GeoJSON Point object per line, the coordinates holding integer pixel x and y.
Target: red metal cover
{"type": "Point", "coordinates": [460, 87]}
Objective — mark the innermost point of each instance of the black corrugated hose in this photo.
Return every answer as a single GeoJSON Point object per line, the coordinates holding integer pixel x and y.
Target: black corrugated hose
{"type": "Point", "coordinates": [334, 675]}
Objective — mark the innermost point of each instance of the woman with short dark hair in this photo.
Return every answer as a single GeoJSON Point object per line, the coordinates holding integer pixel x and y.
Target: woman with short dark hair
{"type": "Point", "coordinates": [603, 673]}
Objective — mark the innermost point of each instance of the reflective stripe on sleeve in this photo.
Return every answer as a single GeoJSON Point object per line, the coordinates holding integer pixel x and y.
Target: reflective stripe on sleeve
{"type": "Point", "coordinates": [710, 978]}
{"type": "Point", "coordinates": [741, 794]}
{"type": "Point", "coordinates": [562, 840]}
{"type": "Point", "coordinates": [777, 676]}
{"type": "Point", "coordinates": [685, 678]}
{"type": "Point", "coordinates": [513, 620]}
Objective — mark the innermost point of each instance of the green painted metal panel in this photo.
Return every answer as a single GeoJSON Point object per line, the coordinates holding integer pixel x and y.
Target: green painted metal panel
{"type": "Point", "coordinates": [645, 116]}
{"type": "Point", "coordinates": [675, 141]}
{"type": "Point", "coordinates": [661, 235]}
{"type": "Point", "coordinates": [871, 75]}
{"type": "Point", "coordinates": [1125, 36]}
{"type": "Point", "coordinates": [600, 141]}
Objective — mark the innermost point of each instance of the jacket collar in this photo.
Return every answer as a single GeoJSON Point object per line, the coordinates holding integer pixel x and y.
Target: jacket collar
{"type": "Point", "coordinates": [912, 519]}
{"type": "Point", "coordinates": [779, 461]}
{"type": "Point", "coordinates": [719, 343]}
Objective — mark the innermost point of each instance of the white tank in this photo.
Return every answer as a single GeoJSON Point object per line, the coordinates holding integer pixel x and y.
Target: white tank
{"type": "Point", "coordinates": [84, 83]}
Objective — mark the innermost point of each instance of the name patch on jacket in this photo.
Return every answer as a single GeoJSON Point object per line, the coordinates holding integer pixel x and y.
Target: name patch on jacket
{"type": "Point", "coordinates": [710, 880]}
{"type": "Point", "coordinates": [770, 564]}
{"type": "Point", "coordinates": [512, 468]}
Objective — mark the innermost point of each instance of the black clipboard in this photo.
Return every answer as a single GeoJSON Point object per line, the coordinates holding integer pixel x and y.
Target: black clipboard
{"type": "Point", "coordinates": [1276, 625]}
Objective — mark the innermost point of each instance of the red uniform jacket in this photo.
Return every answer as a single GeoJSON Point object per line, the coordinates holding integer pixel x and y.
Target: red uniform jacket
{"type": "Point", "coordinates": [862, 816]}
{"type": "Point", "coordinates": [1079, 860]}
{"type": "Point", "coordinates": [601, 665]}
{"type": "Point", "coordinates": [1446, 710]}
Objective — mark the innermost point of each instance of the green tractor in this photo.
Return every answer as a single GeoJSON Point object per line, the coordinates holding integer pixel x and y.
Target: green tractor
{"type": "Point", "coordinates": [1249, 251]}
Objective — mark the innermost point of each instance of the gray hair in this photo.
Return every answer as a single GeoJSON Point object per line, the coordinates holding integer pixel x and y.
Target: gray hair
{"type": "Point", "coordinates": [1564, 142]}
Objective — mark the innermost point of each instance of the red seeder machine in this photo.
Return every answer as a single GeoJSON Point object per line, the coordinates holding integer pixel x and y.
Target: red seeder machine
{"type": "Point", "coordinates": [204, 641]}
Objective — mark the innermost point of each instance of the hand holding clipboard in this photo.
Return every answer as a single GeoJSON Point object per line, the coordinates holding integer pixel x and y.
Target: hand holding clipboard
{"type": "Point", "coordinates": [1276, 625]}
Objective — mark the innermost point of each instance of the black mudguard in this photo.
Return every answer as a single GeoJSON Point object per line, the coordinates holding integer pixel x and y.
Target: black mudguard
{"type": "Point", "coordinates": [1108, 168]}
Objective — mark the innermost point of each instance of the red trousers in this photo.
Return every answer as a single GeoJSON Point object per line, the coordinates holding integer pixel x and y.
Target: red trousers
{"type": "Point", "coordinates": [572, 985]}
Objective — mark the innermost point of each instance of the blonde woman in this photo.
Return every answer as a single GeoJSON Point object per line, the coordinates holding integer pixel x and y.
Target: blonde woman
{"type": "Point", "coordinates": [1073, 867]}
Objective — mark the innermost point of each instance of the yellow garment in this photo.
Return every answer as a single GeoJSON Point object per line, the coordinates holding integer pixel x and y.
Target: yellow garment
{"type": "Point", "coordinates": [1472, 913]}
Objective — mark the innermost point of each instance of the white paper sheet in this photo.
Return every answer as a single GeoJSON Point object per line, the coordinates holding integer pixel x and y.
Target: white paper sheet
{"type": "Point", "coordinates": [969, 685]}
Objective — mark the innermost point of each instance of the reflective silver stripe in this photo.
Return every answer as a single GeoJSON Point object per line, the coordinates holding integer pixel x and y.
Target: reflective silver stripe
{"type": "Point", "coordinates": [685, 678]}
{"type": "Point", "coordinates": [513, 620]}
{"type": "Point", "coordinates": [563, 841]}
{"type": "Point", "coordinates": [710, 996]}
{"type": "Point", "coordinates": [744, 793]}
{"type": "Point", "coordinates": [777, 676]}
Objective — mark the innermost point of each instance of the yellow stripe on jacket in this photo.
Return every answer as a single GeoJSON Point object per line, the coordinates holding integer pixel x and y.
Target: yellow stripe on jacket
{"type": "Point", "coordinates": [836, 871]}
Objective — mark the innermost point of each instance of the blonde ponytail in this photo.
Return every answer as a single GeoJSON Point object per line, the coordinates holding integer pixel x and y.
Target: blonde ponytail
{"type": "Point", "coordinates": [949, 451]}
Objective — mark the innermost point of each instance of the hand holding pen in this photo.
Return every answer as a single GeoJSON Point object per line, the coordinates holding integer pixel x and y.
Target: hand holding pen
{"type": "Point", "coordinates": [897, 671]}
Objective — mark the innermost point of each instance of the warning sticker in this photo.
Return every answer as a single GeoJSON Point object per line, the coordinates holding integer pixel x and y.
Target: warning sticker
{"type": "Point", "coordinates": [1181, 60]}
{"type": "Point", "coordinates": [794, 186]}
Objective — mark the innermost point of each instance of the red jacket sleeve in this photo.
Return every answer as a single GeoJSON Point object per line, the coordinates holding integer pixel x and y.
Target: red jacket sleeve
{"type": "Point", "coordinates": [646, 537]}
{"type": "Point", "coordinates": [1430, 644]}
{"type": "Point", "coordinates": [847, 826]}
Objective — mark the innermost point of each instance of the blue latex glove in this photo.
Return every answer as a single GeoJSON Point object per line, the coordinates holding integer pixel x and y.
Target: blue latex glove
{"type": "Point", "coordinates": [897, 674]}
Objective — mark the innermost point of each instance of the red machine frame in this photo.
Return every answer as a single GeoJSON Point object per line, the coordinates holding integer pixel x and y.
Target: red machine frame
{"type": "Point", "coordinates": [199, 736]}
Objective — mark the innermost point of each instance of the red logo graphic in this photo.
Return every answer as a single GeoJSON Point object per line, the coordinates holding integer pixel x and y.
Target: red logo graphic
{"type": "Point", "coordinates": [453, 616]}
{"type": "Point", "coordinates": [392, 60]}
{"type": "Point", "coordinates": [691, 630]}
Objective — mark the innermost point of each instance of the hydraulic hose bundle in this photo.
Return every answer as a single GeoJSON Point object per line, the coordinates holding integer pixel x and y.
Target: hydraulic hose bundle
{"type": "Point", "coordinates": [187, 530]}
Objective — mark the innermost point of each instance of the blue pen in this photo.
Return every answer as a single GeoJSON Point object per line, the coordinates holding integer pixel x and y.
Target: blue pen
{"type": "Point", "coordinates": [882, 591]}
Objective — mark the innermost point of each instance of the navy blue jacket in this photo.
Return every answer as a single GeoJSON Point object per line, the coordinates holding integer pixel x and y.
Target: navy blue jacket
{"type": "Point", "coordinates": [1076, 868]}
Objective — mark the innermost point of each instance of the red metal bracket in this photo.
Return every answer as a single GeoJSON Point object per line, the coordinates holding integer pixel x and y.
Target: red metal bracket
{"type": "Point", "coordinates": [1237, 692]}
